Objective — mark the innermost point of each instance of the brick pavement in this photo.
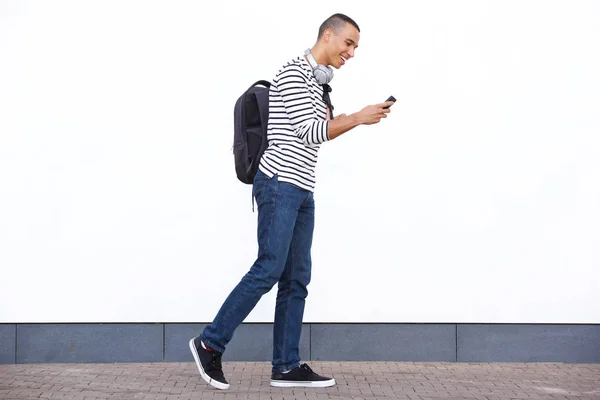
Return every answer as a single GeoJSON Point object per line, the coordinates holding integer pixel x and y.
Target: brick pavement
{"type": "Point", "coordinates": [355, 380]}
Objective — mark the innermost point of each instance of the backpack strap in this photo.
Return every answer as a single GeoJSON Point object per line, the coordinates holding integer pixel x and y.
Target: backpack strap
{"type": "Point", "coordinates": [261, 82]}
{"type": "Point", "coordinates": [263, 98]}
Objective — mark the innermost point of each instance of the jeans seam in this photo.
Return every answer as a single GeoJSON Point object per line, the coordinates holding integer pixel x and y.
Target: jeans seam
{"type": "Point", "coordinates": [287, 304]}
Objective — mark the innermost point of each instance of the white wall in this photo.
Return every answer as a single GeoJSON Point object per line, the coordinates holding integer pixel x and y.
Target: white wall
{"type": "Point", "coordinates": [475, 201]}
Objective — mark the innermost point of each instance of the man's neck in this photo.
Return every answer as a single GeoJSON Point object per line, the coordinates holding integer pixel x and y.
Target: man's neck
{"type": "Point", "coordinates": [319, 55]}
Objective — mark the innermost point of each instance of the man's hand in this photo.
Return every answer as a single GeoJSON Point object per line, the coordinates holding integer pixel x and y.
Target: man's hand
{"type": "Point", "coordinates": [372, 114]}
{"type": "Point", "coordinates": [367, 116]}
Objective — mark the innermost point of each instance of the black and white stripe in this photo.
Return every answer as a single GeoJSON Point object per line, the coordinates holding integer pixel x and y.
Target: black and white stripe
{"type": "Point", "coordinates": [297, 125]}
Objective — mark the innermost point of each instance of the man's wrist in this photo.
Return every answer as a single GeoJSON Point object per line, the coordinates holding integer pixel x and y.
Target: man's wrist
{"type": "Point", "coordinates": [355, 118]}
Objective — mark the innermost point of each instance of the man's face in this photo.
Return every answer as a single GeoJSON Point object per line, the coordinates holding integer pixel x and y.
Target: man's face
{"type": "Point", "coordinates": [341, 45]}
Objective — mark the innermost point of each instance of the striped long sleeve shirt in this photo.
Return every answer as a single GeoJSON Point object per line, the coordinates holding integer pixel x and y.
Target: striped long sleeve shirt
{"type": "Point", "coordinates": [297, 125]}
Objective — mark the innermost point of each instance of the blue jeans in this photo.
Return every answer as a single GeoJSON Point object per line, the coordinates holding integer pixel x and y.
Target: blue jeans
{"type": "Point", "coordinates": [285, 231]}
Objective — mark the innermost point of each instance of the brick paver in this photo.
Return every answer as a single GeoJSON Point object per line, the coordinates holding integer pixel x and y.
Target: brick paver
{"type": "Point", "coordinates": [355, 380]}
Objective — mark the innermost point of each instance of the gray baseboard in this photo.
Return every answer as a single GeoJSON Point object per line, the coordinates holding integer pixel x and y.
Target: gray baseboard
{"type": "Point", "coordinates": [528, 343]}
{"type": "Point", "coordinates": [157, 342]}
{"type": "Point", "coordinates": [8, 343]}
{"type": "Point", "coordinates": [383, 342]}
{"type": "Point", "coordinates": [97, 343]}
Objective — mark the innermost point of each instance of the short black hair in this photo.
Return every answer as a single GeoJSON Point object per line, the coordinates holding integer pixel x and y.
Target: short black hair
{"type": "Point", "coordinates": [336, 22]}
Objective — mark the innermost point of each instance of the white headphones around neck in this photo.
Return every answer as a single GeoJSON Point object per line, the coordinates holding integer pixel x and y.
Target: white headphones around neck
{"type": "Point", "coordinates": [323, 74]}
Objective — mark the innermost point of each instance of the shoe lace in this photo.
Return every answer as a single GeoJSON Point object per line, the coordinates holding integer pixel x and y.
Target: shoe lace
{"type": "Point", "coordinates": [216, 361]}
{"type": "Point", "coordinates": [306, 369]}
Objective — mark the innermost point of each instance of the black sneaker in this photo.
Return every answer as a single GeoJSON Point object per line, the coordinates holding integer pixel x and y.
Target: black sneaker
{"type": "Point", "coordinates": [302, 376]}
{"type": "Point", "coordinates": [209, 364]}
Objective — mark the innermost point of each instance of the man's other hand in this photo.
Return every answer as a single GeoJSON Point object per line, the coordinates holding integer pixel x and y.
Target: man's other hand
{"type": "Point", "coordinates": [374, 113]}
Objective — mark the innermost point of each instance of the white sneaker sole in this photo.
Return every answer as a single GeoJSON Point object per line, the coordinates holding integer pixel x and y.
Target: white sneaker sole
{"type": "Point", "coordinates": [203, 374]}
{"type": "Point", "coordinates": [288, 384]}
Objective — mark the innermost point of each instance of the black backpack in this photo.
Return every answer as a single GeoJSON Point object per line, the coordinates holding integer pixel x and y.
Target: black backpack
{"type": "Point", "coordinates": [250, 116]}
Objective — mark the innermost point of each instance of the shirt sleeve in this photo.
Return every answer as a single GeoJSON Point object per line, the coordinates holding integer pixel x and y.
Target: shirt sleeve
{"type": "Point", "coordinates": [295, 93]}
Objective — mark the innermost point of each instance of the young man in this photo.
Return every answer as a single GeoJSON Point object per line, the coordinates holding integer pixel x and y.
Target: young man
{"type": "Point", "coordinates": [299, 122]}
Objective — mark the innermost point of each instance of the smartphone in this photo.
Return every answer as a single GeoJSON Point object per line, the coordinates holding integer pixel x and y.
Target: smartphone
{"type": "Point", "coordinates": [391, 98]}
